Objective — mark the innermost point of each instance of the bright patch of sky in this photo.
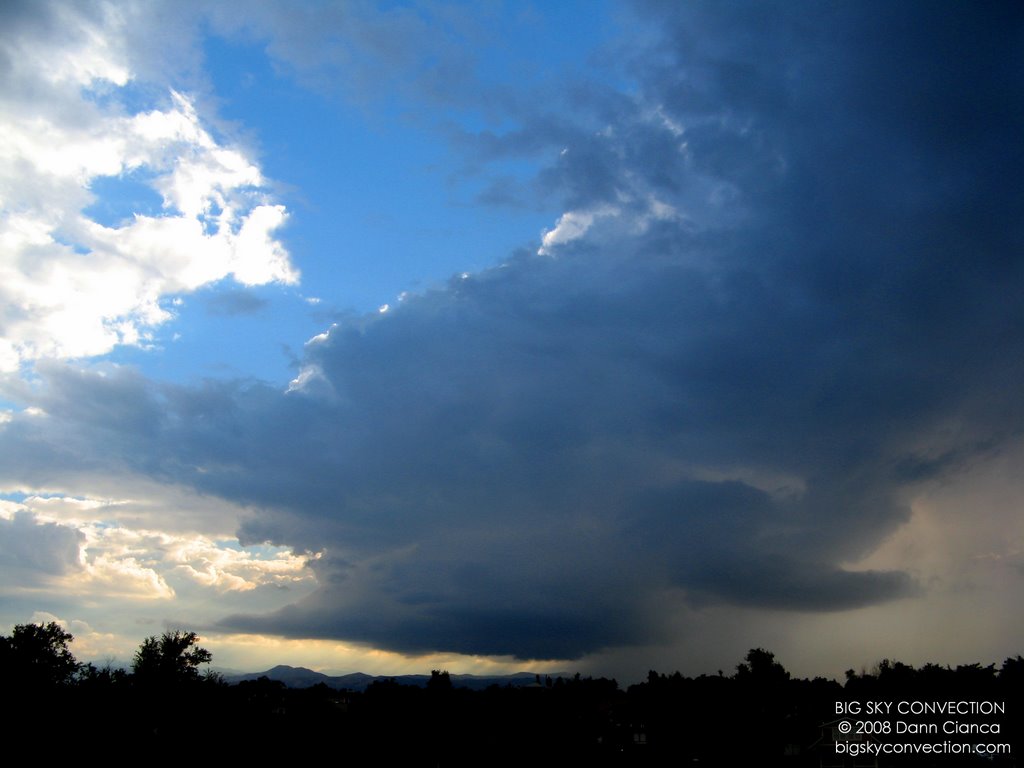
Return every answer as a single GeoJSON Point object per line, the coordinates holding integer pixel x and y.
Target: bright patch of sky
{"type": "Point", "coordinates": [377, 206]}
{"type": "Point", "coordinates": [120, 198]}
{"type": "Point", "coordinates": [379, 201]}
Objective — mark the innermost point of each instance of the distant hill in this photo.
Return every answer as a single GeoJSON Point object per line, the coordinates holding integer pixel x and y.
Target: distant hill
{"type": "Point", "coordinates": [300, 677]}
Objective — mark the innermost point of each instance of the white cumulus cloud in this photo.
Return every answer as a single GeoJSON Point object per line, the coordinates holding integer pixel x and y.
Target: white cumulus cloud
{"type": "Point", "coordinates": [74, 282]}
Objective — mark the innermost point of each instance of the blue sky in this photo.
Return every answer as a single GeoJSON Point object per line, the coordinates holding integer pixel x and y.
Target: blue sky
{"type": "Point", "coordinates": [380, 199]}
{"type": "Point", "coordinates": [604, 335]}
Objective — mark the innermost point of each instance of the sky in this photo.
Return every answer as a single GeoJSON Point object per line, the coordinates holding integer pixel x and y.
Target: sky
{"type": "Point", "coordinates": [583, 336]}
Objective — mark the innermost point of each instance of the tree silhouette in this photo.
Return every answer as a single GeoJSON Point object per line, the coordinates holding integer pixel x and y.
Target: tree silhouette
{"type": "Point", "coordinates": [439, 681]}
{"type": "Point", "coordinates": [761, 667]}
{"type": "Point", "coordinates": [171, 659]}
{"type": "Point", "coordinates": [37, 655]}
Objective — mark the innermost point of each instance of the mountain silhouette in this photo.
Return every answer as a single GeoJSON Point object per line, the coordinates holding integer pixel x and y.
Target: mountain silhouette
{"type": "Point", "coordinates": [301, 677]}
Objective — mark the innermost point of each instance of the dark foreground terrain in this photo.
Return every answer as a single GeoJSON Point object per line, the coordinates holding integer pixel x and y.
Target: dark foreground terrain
{"type": "Point", "coordinates": [165, 709]}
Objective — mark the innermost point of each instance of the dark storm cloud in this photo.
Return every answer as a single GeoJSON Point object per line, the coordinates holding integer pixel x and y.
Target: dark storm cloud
{"type": "Point", "coordinates": [722, 406]}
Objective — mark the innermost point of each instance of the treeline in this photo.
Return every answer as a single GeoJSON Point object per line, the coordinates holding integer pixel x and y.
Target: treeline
{"type": "Point", "coordinates": [165, 706]}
